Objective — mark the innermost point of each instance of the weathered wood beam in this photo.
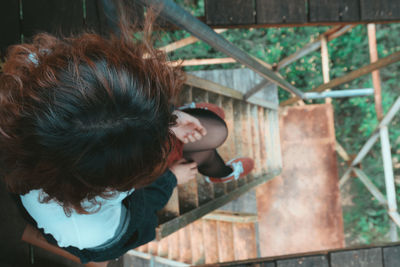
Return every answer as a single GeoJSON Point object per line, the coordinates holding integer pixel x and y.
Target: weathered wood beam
{"type": "Point", "coordinates": [313, 46]}
{"type": "Point", "coordinates": [226, 91]}
{"type": "Point", "coordinates": [383, 62]}
{"type": "Point", "coordinates": [187, 218]}
{"type": "Point", "coordinates": [177, 15]}
{"type": "Point", "coordinates": [325, 64]}
{"type": "Point", "coordinates": [203, 61]}
{"type": "Point", "coordinates": [226, 216]}
{"type": "Point", "coordinates": [184, 42]}
{"type": "Point", "coordinates": [376, 81]}
{"type": "Point", "coordinates": [341, 151]}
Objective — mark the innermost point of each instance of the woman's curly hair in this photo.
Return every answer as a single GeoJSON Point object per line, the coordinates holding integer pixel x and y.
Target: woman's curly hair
{"type": "Point", "coordinates": [84, 116]}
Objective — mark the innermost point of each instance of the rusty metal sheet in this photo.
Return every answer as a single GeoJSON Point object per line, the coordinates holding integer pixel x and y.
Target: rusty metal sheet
{"type": "Point", "coordinates": [300, 211]}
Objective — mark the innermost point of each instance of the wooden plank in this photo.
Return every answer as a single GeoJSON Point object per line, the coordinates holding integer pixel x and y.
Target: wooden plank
{"type": "Point", "coordinates": [61, 16]}
{"type": "Point", "coordinates": [143, 248]}
{"type": "Point", "coordinates": [227, 150]}
{"type": "Point", "coordinates": [247, 138]}
{"type": "Point", "coordinates": [391, 256]}
{"type": "Point", "coordinates": [219, 189]}
{"type": "Point", "coordinates": [238, 119]}
{"type": "Point", "coordinates": [376, 80]}
{"type": "Point", "coordinates": [244, 240]}
{"type": "Point", "coordinates": [185, 247]}
{"type": "Point", "coordinates": [383, 62]}
{"type": "Point", "coordinates": [358, 258]}
{"type": "Point", "coordinates": [340, 10]}
{"type": "Point", "coordinates": [10, 31]}
{"type": "Point", "coordinates": [171, 210]}
{"type": "Point", "coordinates": [320, 261]}
{"type": "Point", "coordinates": [225, 91]}
{"type": "Point", "coordinates": [229, 216]}
{"type": "Point", "coordinates": [205, 191]}
{"type": "Point", "coordinates": [210, 241]}
{"type": "Point", "coordinates": [255, 134]}
{"type": "Point", "coordinates": [202, 61]}
{"type": "Point", "coordinates": [372, 10]}
{"type": "Point", "coordinates": [225, 241]}
{"type": "Point", "coordinates": [229, 12]}
{"type": "Point", "coordinates": [283, 11]}
{"type": "Point", "coordinates": [183, 42]}
{"type": "Point", "coordinates": [153, 248]}
{"type": "Point", "coordinates": [163, 246]}
{"type": "Point", "coordinates": [173, 246]}
{"type": "Point", "coordinates": [197, 242]}
{"type": "Point", "coordinates": [188, 192]}
{"type": "Point", "coordinates": [185, 219]}
{"type": "Point", "coordinates": [262, 132]}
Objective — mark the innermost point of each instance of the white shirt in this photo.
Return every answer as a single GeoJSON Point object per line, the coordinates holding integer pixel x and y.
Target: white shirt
{"type": "Point", "coordinates": [78, 230]}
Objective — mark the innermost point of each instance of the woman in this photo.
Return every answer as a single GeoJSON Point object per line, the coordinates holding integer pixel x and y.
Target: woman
{"type": "Point", "coordinates": [90, 141]}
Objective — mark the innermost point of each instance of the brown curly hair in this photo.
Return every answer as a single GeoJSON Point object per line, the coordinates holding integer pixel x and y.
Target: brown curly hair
{"type": "Point", "coordinates": [84, 116]}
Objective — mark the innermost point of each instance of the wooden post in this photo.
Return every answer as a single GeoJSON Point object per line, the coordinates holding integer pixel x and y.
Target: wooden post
{"type": "Point", "coordinates": [376, 81]}
{"type": "Point", "coordinates": [325, 64]}
{"type": "Point", "coordinates": [389, 179]}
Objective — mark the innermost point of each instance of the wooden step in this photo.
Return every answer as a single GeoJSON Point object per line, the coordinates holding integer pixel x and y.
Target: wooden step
{"type": "Point", "coordinates": [163, 248]}
{"type": "Point", "coordinates": [173, 246]}
{"type": "Point", "coordinates": [228, 149]}
{"type": "Point", "coordinates": [185, 250]}
{"type": "Point", "coordinates": [211, 243]}
{"type": "Point", "coordinates": [244, 240]}
{"type": "Point", "coordinates": [225, 241]}
{"type": "Point", "coordinates": [256, 140]}
{"type": "Point", "coordinates": [197, 242]}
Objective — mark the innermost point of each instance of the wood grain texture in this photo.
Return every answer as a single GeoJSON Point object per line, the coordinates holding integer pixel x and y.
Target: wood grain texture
{"type": "Point", "coordinates": [225, 241]}
{"type": "Point", "coordinates": [162, 250]}
{"type": "Point", "coordinates": [229, 12]}
{"type": "Point", "coordinates": [313, 261]}
{"type": "Point", "coordinates": [10, 31]}
{"type": "Point", "coordinates": [228, 149]}
{"type": "Point", "coordinates": [171, 210]}
{"type": "Point", "coordinates": [61, 16]}
{"type": "Point", "coordinates": [282, 11]}
{"type": "Point", "coordinates": [185, 247]}
{"type": "Point", "coordinates": [173, 246]}
{"type": "Point", "coordinates": [263, 137]}
{"type": "Point", "coordinates": [197, 242]}
{"type": "Point", "coordinates": [255, 134]}
{"type": "Point", "coordinates": [331, 11]}
{"type": "Point", "coordinates": [380, 10]}
{"type": "Point", "coordinates": [211, 243]}
{"type": "Point", "coordinates": [391, 256]}
{"type": "Point", "coordinates": [244, 240]}
{"type": "Point", "coordinates": [357, 258]}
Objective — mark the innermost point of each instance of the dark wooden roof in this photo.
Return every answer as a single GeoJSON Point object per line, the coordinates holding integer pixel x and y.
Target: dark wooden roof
{"type": "Point", "coordinates": [260, 12]}
{"type": "Point", "coordinates": [372, 256]}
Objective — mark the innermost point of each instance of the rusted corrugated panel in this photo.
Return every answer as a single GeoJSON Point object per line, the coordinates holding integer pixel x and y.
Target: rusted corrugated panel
{"type": "Point", "coordinates": [300, 210]}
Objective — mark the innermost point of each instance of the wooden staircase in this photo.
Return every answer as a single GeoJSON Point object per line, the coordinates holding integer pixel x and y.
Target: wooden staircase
{"type": "Point", "coordinates": [182, 235]}
{"type": "Point", "coordinates": [253, 132]}
{"type": "Point", "coordinates": [209, 240]}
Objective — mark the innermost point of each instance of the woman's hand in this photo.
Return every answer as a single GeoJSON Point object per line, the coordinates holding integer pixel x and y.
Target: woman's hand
{"type": "Point", "coordinates": [188, 128]}
{"type": "Point", "coordinates": [184, 171]}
